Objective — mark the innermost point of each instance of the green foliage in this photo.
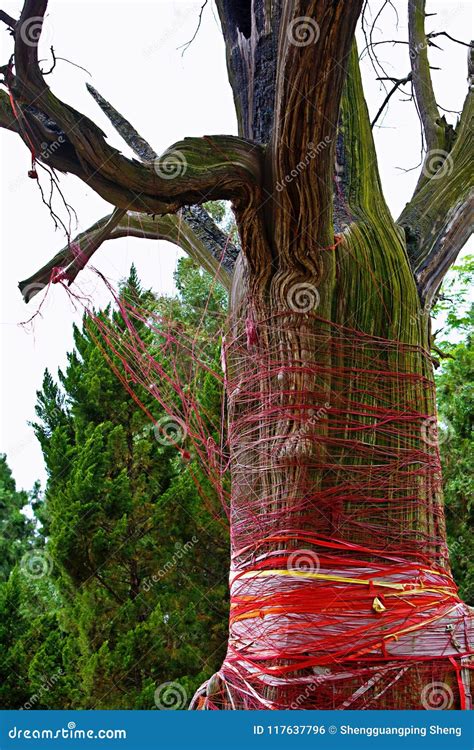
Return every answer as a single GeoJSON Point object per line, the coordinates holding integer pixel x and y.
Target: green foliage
{"type": "Point", "coordinates": [453, 304]}
{"type": "Point", "coordinates": [134, 592]}
{"type": "Point", "coordinates": [123, 585]}
{"type": "Point", "coordinates": [223, 216]}
{"type": "Point", "coordinates": [15, 528]}
{"type": "Point", "coordinates": [455, 392]}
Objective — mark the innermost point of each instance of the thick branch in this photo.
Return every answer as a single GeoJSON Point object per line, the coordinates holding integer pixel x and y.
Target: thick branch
{"type": "Point", "coordinates": [422, 84]}
{"type": "Point", "coordinates": [196, 228]}
{"type": "Point", "coordinates": [192, 171]}
{"type": "Point", "coordinates": [438, 219]}
{"type": "Point", "coordinates": [189, 230]}
{"type": "Point", "coordinates": [313, 51]}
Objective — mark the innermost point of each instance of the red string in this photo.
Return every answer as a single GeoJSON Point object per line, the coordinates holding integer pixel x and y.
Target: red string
{"type": "Point", "coordinates": [341, 594]}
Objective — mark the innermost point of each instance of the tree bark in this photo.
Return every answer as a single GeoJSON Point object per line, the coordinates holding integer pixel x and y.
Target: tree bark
{"type": "Point", "coordinates": [341, 595]}
{"type": "Point", "coordinates": [299, 480]}
{"type": "Point", "coordinates": [314, 355]}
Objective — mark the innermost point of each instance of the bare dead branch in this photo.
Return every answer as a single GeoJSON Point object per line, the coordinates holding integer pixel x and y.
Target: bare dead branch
{"type": "Point", "coordinates": [133, 139]}
{"type": "Point", "coordinates": [422, 84]}
{"type": "Point", "coordinates": [397, 83]}
{"type": "Point", "coordinates": [186, 46]}
{"type": "Point", "coordinates": [189, 229]}
{"type": "Point", "coordinates": [439, 218]}
{"type": "Point", "coordinates": [193, 171]}
{"type": "Point", "coordinates": [434, 34]}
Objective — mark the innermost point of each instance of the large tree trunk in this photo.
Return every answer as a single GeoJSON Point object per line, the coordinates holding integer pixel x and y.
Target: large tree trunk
{"type": "Point", "coordinates": [341, 594]}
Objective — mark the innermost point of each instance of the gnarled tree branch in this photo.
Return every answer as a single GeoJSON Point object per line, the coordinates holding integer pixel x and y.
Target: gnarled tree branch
{"type": "Point", "coordinates": [190, 230]}
{"type": "Point", "coordinates": [192, 171]}
{"type": "Point", "coordinates": [438, 134]}
{"type": "Point", "coordinates": [438, 219]}
{"type": "Point", "coordinates": [195, 230]}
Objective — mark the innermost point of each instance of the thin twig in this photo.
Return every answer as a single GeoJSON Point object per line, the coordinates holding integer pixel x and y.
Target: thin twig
{"type": "Point", "coordinates": [445, 33]}
{"type": "Point", "coordinates": [188, 44]}
{"type": "Point", "coordinates": [385, 41]}
{"type": "Point", "coordinates": [47, 72]}
{"type": "Point", "coordinates": [398, 82]}
{"type": "Point", "coordinates": [64, 59]}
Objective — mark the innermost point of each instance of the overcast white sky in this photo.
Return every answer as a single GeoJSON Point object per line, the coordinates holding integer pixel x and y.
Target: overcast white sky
{"type": "Point", "coordinates": [130, 49]}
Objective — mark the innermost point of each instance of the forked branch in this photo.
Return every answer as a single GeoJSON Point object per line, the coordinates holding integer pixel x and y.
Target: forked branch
{"type": "Point", "coordinates": [438, 220]}
{"type": "Point", "coordinates": [192, 171]}
{"type": "Point", "coordinates": [189, 230]}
